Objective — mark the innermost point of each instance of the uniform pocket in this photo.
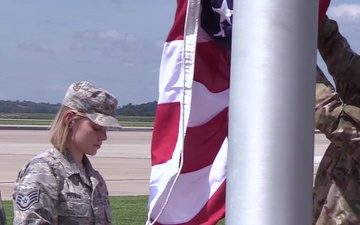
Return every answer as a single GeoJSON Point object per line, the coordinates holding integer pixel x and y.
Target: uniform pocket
{"type": "Point", "coordinates": [75, 208]}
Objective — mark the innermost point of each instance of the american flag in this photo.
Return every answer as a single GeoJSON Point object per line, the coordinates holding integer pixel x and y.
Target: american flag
{"type": "Point", "coordinates": [189, 144]}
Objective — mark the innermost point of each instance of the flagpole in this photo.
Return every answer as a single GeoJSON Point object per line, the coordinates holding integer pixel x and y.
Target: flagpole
{"type": "Point", "coordinates": [271, 117]}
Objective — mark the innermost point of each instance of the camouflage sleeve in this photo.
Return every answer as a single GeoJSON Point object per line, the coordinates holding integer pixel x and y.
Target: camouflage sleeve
{"type": "Point", "coordinates": [36, 194]}
{"type": "Point", "coordinates": [340, 123]}
{"type": "Point", "coordinates": [342, 62]}
{"type": "Point", "coordinates": [2, 213]}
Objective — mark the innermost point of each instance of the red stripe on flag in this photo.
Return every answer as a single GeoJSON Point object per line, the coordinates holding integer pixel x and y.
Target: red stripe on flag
{"type": "Point", "coordinates": [177, 30]}
{"type": "Point", "coordinates": [165, 132]}
{"type": "Point", "coordinates": [323, 6]}
{"type": "Point", "coordinates": [202, 143]}
{"type": "Point", "coordinates": [212, 67]}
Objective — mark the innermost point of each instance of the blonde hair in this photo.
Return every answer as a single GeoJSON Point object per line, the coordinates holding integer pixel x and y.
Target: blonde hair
{"type": "Point", "coordinates": [59, 129]}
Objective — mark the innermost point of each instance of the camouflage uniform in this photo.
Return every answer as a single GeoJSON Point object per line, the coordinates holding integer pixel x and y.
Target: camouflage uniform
{"type": "Point", "coordinates": [53, 189]}
{"type": "Point", "coordinates": [2, 213]}
{"type": "Point", "coordinates": [98, 105]}
{"type": "Point", "coordinates": [337, 115]}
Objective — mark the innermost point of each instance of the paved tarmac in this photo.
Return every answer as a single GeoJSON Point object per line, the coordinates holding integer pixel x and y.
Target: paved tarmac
{"type": "Point", "coordinates": [123, 160]}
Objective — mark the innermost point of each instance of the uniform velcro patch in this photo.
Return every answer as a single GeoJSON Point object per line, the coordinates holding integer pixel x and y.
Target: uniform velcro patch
{"type": "Point", "coordinates": [25, 201]}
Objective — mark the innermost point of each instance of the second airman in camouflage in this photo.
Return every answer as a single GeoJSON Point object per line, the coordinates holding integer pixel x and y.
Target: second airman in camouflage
{"type": "Point", "coordinates": [337, 186]}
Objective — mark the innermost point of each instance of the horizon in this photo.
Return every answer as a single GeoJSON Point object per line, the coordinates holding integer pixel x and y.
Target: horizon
{"type": "Point", "coordinates": [59, 103]}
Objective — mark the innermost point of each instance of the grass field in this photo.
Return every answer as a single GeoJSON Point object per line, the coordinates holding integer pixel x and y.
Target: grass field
{"type": "Point", "coordinates": [127, 210]}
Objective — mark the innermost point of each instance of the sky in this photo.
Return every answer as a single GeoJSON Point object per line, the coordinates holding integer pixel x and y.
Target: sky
{"type": "Point", "coordinates": [347, 14]}
{"type": "Point", "coordinates": [116, 44]}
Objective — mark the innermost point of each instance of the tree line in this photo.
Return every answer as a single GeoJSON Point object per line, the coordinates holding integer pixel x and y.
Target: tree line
{"type": "Point", "coordinates": [146, 109]}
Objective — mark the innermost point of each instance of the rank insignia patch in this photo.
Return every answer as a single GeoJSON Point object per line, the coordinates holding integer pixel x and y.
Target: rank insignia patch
{"type": "Point", "coordinates": [25, 201]}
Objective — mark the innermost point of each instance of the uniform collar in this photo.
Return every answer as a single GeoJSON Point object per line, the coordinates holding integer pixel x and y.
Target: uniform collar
{"type": "Point", "coordinates": [70, 166]}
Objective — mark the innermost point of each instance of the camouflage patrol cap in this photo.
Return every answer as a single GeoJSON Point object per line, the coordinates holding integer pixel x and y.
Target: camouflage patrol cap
{"type": "Point", "coordinates": [99, 105]}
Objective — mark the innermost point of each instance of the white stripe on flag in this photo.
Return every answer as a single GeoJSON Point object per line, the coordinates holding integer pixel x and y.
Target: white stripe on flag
{"type": "Point", "coordinates": [171, 82]}
{"type": "Point", "coordinates": [201, 110]}
{"type": "Point", "coordinates": [184, 204]}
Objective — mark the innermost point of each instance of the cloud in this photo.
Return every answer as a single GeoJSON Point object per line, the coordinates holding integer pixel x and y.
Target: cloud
{"type": "Point", "coordinates": [111, 44]}
{"type": "Point", "coordinates": [346, 13]}
{"type": "Point", "coordinates": [82, 46]}
{"type": "Point", "coordinates": [116, 1]}
{"type": "Point", "coordinates": [56, 87]}
{"type": "Point", "coordinates": [126, 64]}
{"type": "Point", "coordinates": [31, 47]}
{"type": "Point", "coordinates": [159, 44]}
{"type": "Point", "coordinates": [84, 62]}
{"type": "Point", "coordinates": [105, 35]}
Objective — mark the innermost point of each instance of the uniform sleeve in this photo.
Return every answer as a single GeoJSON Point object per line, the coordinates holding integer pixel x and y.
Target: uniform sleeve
{"type": "Point", "coordinates": [340, 123]}
{"type": "Point", "coordinates": [337, 114]}
{"type": "Point", "coordinates": [342, 62]}
{"type": "Point", "coordinates": [35, 194]}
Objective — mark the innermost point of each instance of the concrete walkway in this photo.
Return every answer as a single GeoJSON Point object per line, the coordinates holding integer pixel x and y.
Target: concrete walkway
{"type": "Point", "coordinates": [123, 160]}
